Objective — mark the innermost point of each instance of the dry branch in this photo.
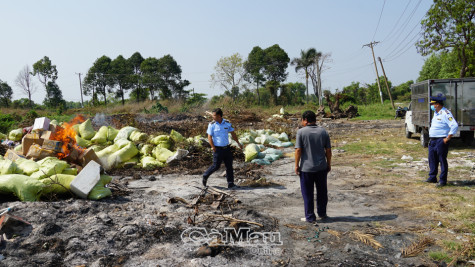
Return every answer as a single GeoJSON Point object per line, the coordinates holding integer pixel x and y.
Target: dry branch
{"type": "Point", "coordinates": [229, 218]}
{"type": "Point", "coordinates": [367, 239]}
{"type": "Point", "coordinates": [416, 247]}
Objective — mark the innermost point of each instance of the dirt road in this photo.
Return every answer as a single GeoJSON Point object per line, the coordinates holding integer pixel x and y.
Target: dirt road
{"type": "Point", "coordinates": [368, 225]}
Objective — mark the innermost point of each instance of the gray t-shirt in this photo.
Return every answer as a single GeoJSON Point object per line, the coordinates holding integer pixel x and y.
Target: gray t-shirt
{"type": "Point", "coordinates": [313, 140]}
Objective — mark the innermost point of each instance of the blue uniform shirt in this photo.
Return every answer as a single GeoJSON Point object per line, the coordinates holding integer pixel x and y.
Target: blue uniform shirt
{"type": "Point", "coordinates": [219, 132]}
{"type": "Point", "coordinates": [443, 124]}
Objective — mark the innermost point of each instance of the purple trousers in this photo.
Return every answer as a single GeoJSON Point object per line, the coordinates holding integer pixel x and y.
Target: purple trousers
{"type": "Point", "coordinates": [309, 180]}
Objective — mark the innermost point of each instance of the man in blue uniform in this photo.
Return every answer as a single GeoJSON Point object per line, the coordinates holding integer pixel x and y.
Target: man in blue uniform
{"type": "Point", "coordinates": [218, 139]}
{"type": "Point", "coordinates": [443, 126]}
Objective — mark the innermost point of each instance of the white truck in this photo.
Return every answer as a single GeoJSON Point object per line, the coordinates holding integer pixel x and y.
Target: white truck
{"type": "Point", "coordinates": [460, 100]}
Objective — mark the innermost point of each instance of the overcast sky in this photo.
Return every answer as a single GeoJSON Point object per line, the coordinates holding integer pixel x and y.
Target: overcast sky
{"type": "Point", "coordinates": [198, 33]}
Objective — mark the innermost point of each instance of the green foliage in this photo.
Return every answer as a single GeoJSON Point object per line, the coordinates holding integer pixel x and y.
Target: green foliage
{"type": "Point", "coordinates": [374, 111]}
{"type": "Point", "coordinates": [6, 93]}
{"type": "Point", "coordinates": [197, 100]}
{"type": "Point", "coordinates": [402, 92]}
{"type": "Point", "coordinates": [440, 256]}
{"type": "Point", "coordinates": [24, 103]}
{"type": "Point", "coordinates": [307, 58]}
{"type": "Point", "coordinates": [31, 115]}
{"type": "Point", "coordinates": [54, 97]}
{"type": "Point", "coordinates": [98, 79]}
{"type": "Point", "coordinates": [121, 73]}
{"type": "Point", "coordinates": [440, 66]}
{"type": "Point", "coordinates": [45, 70]}
{"type": "Point", "coordinates": [229, 75]}
{"type": "Point", "coordinates": [157, 108]}
{"type": "Point", "coordinates": [8, 122]}
{"type": "Point", "coordinates": [449, 25]}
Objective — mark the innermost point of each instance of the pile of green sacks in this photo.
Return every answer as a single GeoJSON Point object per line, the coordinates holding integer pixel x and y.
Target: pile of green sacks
{"type": "Point", "coordinates": [30, 180]}
{"type": "Point", "coordinates": [116, 148]}
{"type": "Point", "coordinates": [256, 150]}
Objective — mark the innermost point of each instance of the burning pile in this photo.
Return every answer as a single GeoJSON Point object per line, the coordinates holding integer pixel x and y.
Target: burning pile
{"type": "Point", "coordinates": [52, 154]}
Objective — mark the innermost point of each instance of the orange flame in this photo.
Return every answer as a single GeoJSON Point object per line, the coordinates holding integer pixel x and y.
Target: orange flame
{"type": "Point", "coordinates": [67, 135]}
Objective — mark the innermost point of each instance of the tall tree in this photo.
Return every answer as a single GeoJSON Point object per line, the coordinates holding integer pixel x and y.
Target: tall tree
{"type": "Point", "coordinates": [24, 80]}
{"type": "Point", "coordinates": [450, 25]}
{"type": "Point", "coordinates": [229, 74]}
{"type": "Point", "coordinates": [6, 93]}
{"type": "Point", "coordinates": [150, 76]}
{"type": "Point", "coordinates": [121, 73]}
{"type": "Point", "coordinates": [276, 63]}
{"type": "Point", "coordinates": [254, 67]}
{"type": "Point", "coordinates": [135, 61]}
{"type": "Point", "coordinates": [315, 72]}
{"type": "Point", "coordinates": [54, 96]}
{"type": "Point", "coordinates": [304, 62]}
{"type": "Point", "coordinates": [98, 79]}
{"type": "Point", "coordinates": [440, 66]}
{"type": "Point", "coordinates": [173, 85]}
{"type": "Point", "coordinates": [45, 70]}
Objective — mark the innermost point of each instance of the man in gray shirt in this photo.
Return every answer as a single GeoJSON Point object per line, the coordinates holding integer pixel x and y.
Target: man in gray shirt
{"type": "Point", "coordinates": [312, 163]}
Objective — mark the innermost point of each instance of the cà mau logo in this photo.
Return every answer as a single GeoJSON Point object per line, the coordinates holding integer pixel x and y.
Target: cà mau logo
{"type": "Point", "coordinates": [230, 237]}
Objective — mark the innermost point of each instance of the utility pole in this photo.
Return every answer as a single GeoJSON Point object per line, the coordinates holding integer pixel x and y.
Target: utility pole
{"type": "Point", "coordinates": [80, 88]}
{"type": "Point", "coordinates": [386, 80]}
{"type": "Point", "coordinates": [376, 67]}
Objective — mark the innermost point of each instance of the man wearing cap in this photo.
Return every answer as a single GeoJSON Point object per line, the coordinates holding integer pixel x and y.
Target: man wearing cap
{"type": "Point", "coordinates": [443, 126]}
{"type": "Point", "coordinates": [218, 139]}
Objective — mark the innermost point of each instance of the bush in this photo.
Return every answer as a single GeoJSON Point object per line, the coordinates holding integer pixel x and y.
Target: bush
{"type": "Point", "coordinates": [8, 122]}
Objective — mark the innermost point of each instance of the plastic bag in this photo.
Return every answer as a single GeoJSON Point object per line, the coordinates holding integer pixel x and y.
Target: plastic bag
{"type": "Point", "coordinates": [179, 154]}
{"type": "Point", "coordinates": [176, 136]}
{"type": "Point", "coordinates": [9, 167]}
{"type": "Point", "coordinates": [250, 152]}
{"type": "Point", "coordinates": [22, 186]}
{"type": "Point", "coordinates": [99, 191]}
{"type": "Point", "coordinates": [58, 184]}
{"type": "Point", "coordinates": [111, 133]}
{"type": "Point", "coordinates": [86, 131]}
{"type": "Point", "coordinates": [117, 154]}
{"type": "Point", "coordinates": [146, 150]}
{"type": "Point", "coordinates": [101, 136]}
{"type": "Point", "coordinates": [283, 137]}
{"type": "Point", "coordinates": [124, 133]}
{"type": "Point", "coordinates": [137, 136]}
{"type": "Point", "coordinates": [162, 154]}
{"type": "Point", "coordinates": [151, 163]}
{"type": "Point", "coordinates": [15, 135]}
{"type": "Point", "coordinates": [27, 166]}
{"type": "Point", "coordinates": [273, 151]}
{"type": "Point", "coordinates": [49, 166]}
{"type": "Point", "coordinates": [260, 161]}
{"type": "Point", "coordinates": [70, 171]}
{"type": "Point", "coordinates": [163, 141]}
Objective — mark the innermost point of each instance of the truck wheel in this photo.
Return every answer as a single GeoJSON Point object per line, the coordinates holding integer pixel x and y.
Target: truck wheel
{"type": "Point", "coordinates": [467, 137]}
{"type": "Point", "coordinates": [424, 138]}
{"type": "Point", "coordinates": [408, 134]}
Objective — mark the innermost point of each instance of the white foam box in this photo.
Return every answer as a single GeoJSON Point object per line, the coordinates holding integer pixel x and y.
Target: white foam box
{"type": "Point", "coordinates": [41, 124]}
{"type": "Point", "coordinates": [86, 179]}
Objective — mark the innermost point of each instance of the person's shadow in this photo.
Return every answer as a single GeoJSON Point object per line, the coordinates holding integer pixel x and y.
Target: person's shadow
{"type": "Point", "coordinates": [386, 217]}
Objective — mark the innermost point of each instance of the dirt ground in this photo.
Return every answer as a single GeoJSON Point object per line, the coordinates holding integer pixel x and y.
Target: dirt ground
{"type": "Point", "coordinates": [377, 206]}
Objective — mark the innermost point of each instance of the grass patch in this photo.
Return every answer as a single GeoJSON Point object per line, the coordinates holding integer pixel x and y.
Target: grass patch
{"type": "Point", "coordinates": [440, 256]}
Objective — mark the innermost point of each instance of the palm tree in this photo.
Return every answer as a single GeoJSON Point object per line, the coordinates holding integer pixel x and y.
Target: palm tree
{"type": "Point", "coordinates": [306, 59]}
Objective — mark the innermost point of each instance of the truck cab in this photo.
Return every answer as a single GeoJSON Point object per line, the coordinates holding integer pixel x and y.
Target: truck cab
{"type": "Point", "coordinates": [460, 100]}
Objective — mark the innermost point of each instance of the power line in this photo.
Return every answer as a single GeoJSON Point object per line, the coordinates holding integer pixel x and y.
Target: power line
{"type": "Point", "coordinates": [397, 22]}
{"type": "Point", "coordinates": [379, 20]}
{"type": "Point", "coordinates": [373, 43]}
{"type": "Point", "coordinates": [403, 26]}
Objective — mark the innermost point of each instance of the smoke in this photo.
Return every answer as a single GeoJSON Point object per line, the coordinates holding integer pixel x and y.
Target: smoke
{"type": "Point", "coordinates": [100, 120]}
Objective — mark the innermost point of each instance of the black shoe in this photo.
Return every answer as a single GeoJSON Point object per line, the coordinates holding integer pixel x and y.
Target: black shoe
{"type": "Point", "coordinates": [440, 184]}
{"type": "Point", "coordinates": [204, 181]}
{"type": "Point", "coordinates": [233, 186]}
{"type": "Point", "coordinates": [430, 181]}
{"type": "Point", "coordinates": [323, 217]}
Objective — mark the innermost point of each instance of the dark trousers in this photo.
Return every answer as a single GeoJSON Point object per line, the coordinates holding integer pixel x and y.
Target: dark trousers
{"type": "Point", "coordinates": [438, 154]}
{"type": "Point", "coordinates": [222, 154]}
{"type": "Point", "coordinates": [309, 180]}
